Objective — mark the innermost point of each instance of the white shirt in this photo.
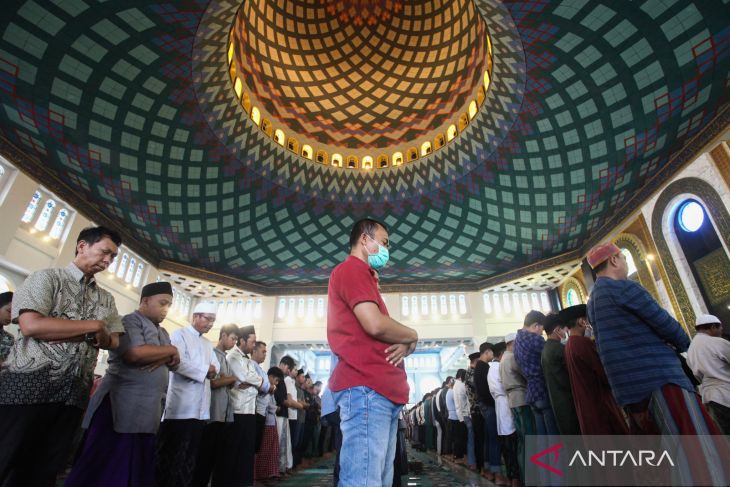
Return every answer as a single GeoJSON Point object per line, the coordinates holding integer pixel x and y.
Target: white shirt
{"type": "Point", "coordinates": [188, 392]}
{"type": "Point", "coordinates": [291, 389]}
{"type": "Point", "coordinates": [436, 401]}
{"type": "Point", "coordinates": [262, 400]}
{"type": "Point", "coordinates": [242, 367]}
{"type": "Point", "coordinates": [463, 408]}
{"type": "Point", "coordinates": [270, 410]}
{"type": "Point", "coordinates": [505, 423]}
{"type": "Point", "coordinates": [709, 359]}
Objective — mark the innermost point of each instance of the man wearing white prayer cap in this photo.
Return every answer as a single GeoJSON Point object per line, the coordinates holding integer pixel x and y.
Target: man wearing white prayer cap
{"type": "Point", "coordinates": [187, 405]}
{"type": "Point", "coordinates": [709, 358]}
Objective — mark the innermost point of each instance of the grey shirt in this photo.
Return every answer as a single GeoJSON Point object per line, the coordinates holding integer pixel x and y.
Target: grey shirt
{"type": "Point", "coordinates": [40, 372]}
{"type": "Point", "coordinates": [301, 413]}
{"type": "Point", "coordinates": [221, 409]}
{"type": "Point", "coordinates": [514, 383]}
{"type": "Point", "coordinates": [136, 394]}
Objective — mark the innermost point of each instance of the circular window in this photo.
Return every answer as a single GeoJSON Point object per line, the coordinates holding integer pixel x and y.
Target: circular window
{"type": "Point", "coordinates": [691, 216]}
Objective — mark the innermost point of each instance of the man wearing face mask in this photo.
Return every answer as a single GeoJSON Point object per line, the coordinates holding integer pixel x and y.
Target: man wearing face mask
{"type": "Point", "coordinates": [556, 375]}
{"type": "Point", "coordinates": [369, 382]}
{"type": "Point", "coordinates": [595, 406]}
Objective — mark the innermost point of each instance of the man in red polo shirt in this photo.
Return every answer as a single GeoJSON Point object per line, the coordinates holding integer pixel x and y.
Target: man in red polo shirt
{"type": "Point", "coordinates": [369, 382]}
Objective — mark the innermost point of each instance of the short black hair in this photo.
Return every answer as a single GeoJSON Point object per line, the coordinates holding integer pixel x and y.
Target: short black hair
{"type": "Point", "coordinates": [288, 361]}
{"type": "Point", "coordinates": [228, 330]}
{"type": "Point", "coordinates": [276, 372]}
{"type": "Point", "coordinates": [91, 235]}
{"type": "Point", "coordinates": [367, 226]}
{"type": "Point", "coordinates": [552, 321]}
{"type": "Point", "coordinates": [300, 372]}
{"type": "Point", "coordinates": [485, 346]}
{"type": "Point", "coordinates": [534, 317]}
{"type": "Point", "coordinates": [461, 374]}
{"type": "Point", "coordinates": [474, 356]}
{"type": "Point", "coordinates": [259, 345]}
{"type": "Point", "coordinates": [499, 349]}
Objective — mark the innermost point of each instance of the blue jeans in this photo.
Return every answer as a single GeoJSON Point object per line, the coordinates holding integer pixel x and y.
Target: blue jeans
{"type": "Point", "coordinates": [369, 424]}
{"type": "Point", "coordinates": [492, 448]}
{"type": "Point", "coordinates": [545, 423]}
{"type": "Point", "coordinates": [471, 458]}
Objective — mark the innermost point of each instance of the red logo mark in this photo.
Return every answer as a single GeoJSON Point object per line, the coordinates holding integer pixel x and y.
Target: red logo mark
{"type": "Point", "coordinates": [552, 449]}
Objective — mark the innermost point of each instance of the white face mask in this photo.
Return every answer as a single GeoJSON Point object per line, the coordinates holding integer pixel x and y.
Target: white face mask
{"type": "Point", "coordinates": [589, 331]}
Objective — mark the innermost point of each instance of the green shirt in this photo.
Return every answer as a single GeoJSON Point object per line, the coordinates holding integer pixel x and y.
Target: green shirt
{"type": "Point", "coordinates": [39, 372]}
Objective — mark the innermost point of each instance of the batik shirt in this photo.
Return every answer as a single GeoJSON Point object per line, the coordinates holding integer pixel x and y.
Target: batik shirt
{"type": "Point", "coordinates": [6, 343]}
{"type": "Point", "coordinates": [40, 372]}
{"type": "Point", "coordinates": [528, 352]}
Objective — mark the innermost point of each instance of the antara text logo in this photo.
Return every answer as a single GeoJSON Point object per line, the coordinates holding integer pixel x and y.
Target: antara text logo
{"type": "Point", "coordinates": [601, 458]}
{"type": "Point", "coordinates": [620, 458]}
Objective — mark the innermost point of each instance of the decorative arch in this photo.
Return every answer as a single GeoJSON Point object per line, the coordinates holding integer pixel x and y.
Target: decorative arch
{"type": "Point", "coordinates": [634, 245]}
{"type": "Point", "coordinates": [720, 217]}
{"type": "Point", "coordinates": [571, 283]}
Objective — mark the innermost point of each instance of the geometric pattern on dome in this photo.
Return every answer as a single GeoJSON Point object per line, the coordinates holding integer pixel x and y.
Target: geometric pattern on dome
{"type": "Point", "coordinates": [340, 82]}
{"type": "Point", "coordinates": [125, 111]}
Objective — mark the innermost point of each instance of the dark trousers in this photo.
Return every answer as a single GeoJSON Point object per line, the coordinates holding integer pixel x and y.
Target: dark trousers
{"type": "Point", "coordinates": [478, 427]}
{"type": "Point", "coordinates": [509, 453]}
{"type": "Point", "coordinates": [458, 438]}
{"type": "Point", "coordinates": [332, 420]}
{"type": "Point", "coordinates": [296, 430]}
{"type": "Point", "coordinates": [178, 442]}
{"type": "Point", "coordinates": [260, 424]}
{"type": "Point", "coordinates": [721, 415]}
{"type": "Point", "coordinates": [447, 447]}
{"type": "Point", "coordinates": [243, 449]}
{"type": "Point", "coordinates": [35, 440]}
{"type": "Point", "coordinates": [210, 455]}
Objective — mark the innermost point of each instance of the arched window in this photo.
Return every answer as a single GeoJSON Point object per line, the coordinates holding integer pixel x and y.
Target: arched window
{"type": "Point", "coordinates": [472, 109]}
{"type": "Point", "coordinates": [257, 309]}
{"type": "Point", "coordinates": [352, 162]}
{"type": "Point", "coordinates": [279, 137]}
{"type": "Point", "coordinates": [452, 305]}
{"type": "Point", "coordinates": [59, 224]}
{"type": "Point", "coordinates": [256, 116]}
{"type": "Point", "coordinates": [238, 87]}
{"type": "Point", "coordinates": [439, 142]}
{"type": "Point", "coordinates": [486, 80]}
{"type": "Point", "coordinates": [443, 306]}
{"type": "Point", "coordinates": [463, 122]}
{"type": "Point", "coordinates": [113, 266]}
{"type": "Point", "coordinates": [572, 297]}
{"type": "Point", "coordinates": [382, 161]}
{"type": "Point", "coordinates": [320, 307]}
{"type": "Point", "coordinates": [412, 154]}
{"type": "Point", "coordinates": [424, 304]}
{"type": "Point", "coordinates": [451, 133]}
{"type": "Point", "coordinates": [367, 162]}
{"type": "Point", "coordinates": [138, 275]}
{"type": "Point", "coordinates": [497, 301]}
{"type": "Point", "coordinates": [414, 305]}
{"type": "Point", "coordinates": [322, 157]}
{"type": "Point", "coordinates": [425, 148]}
{"type": "Point", "coordinates": [404, 308]}
{"type": "Point", "coordinates": [481, 96]}
{"type": "Point", "coordinates": [45, 217]}
{"type": "Point", "coordinates": [337, 160]}
{"type": "Point", "coordinates": [31, 208]}
{"type": "Point", "coordinates": [266, 127]}
{"type": "Point", "coordinates": [397, 158]}
{"type": "Point", "coordinates": [281, 310]}
{"type": "Point", "coordinates": [307, 152]}
{"type": "Point", "coordinates": [130, 270]}
{"type": "Point", "coordinates": [462, 304]}
{"type": "Point", "coordinates": [123, 265]}
{"type": "Point", "coordinates": [293, 145]}
{"type": "Point", "coordinates": [487, 304]}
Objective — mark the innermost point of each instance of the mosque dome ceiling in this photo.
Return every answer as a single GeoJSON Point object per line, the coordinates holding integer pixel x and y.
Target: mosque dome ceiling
{"type": "Point", "coordinates": [566, 115]}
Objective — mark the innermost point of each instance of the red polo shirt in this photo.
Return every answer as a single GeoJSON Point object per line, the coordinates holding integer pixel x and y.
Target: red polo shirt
{"type": "Point", "coordinates": [362, 358]}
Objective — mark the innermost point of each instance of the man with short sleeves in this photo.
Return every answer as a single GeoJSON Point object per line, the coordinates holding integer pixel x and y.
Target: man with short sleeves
{"type": "Point", "coordinates": [124, 413]}
{"type": "Point", "coordinates": [64, 317]}
{"type": "Point", "coordinates": [369, 382]}
{"type": "Point", "coordinates": [187, 406]}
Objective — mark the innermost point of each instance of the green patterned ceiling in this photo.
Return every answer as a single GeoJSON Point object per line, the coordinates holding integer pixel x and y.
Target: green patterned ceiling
{"type": "Point", "coordinates": [127, 110]}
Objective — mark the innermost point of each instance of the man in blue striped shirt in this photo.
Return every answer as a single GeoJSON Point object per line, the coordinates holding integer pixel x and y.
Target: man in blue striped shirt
{"type": "Point", "coordinates": [638, 343]}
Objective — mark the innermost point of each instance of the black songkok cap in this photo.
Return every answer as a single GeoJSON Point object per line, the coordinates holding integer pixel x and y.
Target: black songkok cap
{"type": "Point", "coordinates": [245, 331]}
{"type": "Point", "coordinates": [156, 288]}
{"type": "Point", "coordinates": [300, 372]}
{"type": "Point", "coordinates": [552, 321]}
{"type": "Point", "coordinates": [5, 298]}
{"type": "Point", "coordinates": [573, 313]}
